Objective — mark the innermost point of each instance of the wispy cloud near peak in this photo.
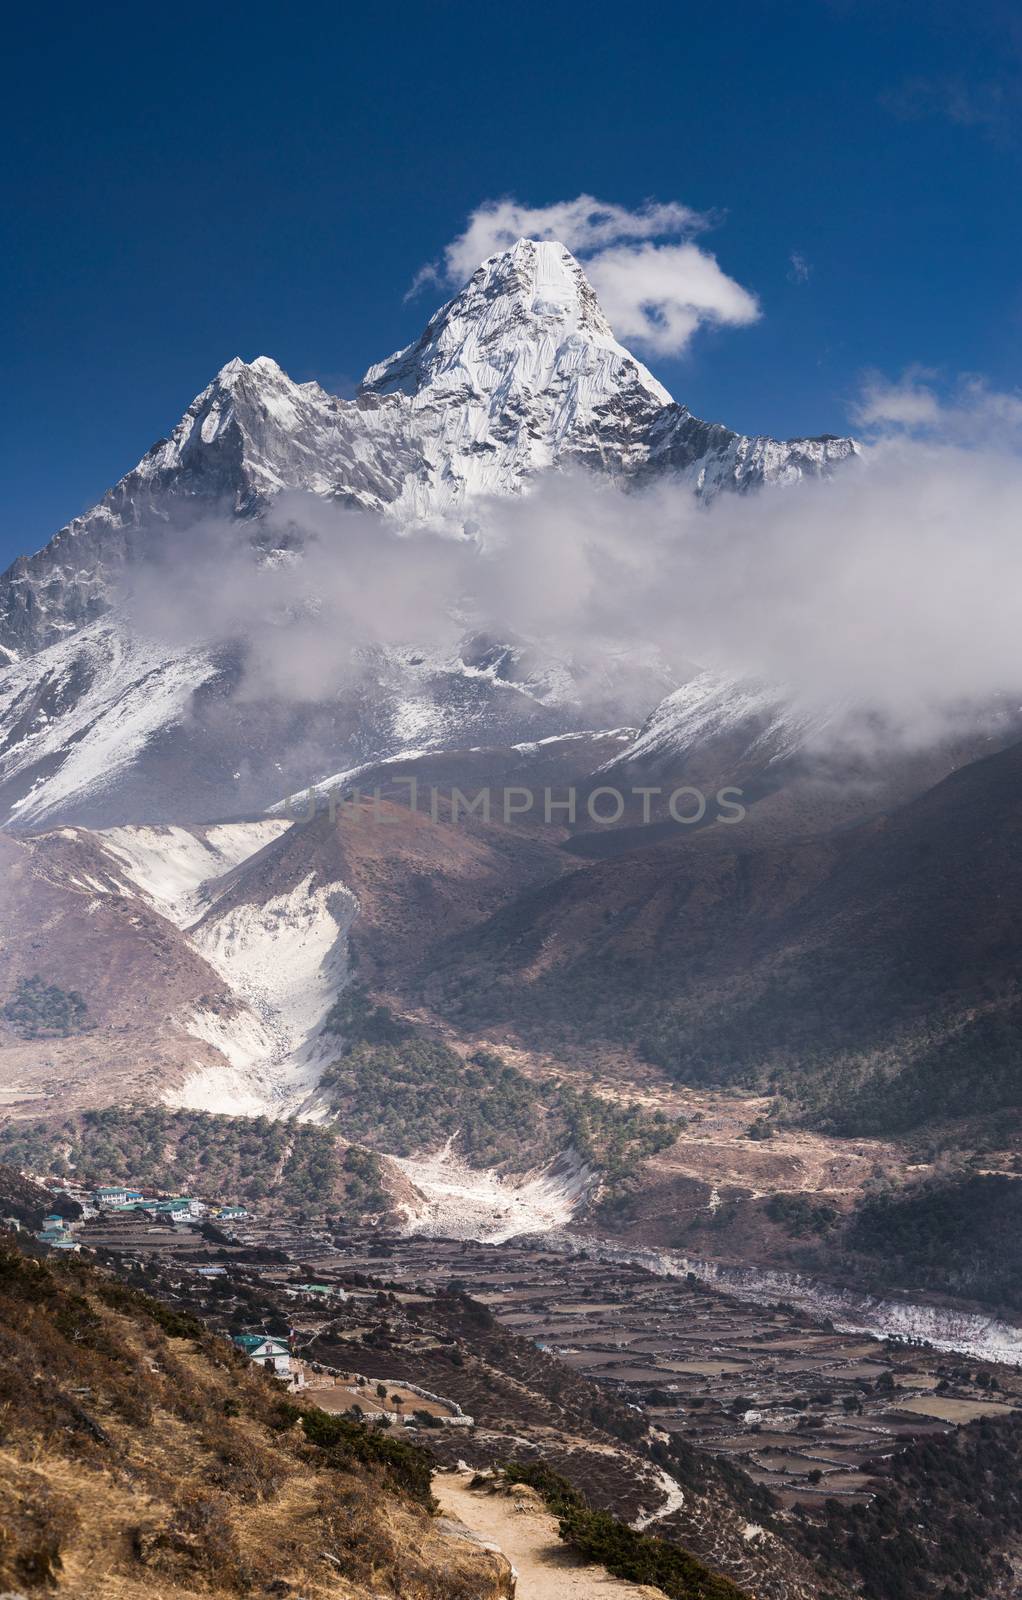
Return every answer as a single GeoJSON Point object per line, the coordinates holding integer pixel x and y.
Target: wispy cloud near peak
{"type": "Point", "coordinates": [656, 284]}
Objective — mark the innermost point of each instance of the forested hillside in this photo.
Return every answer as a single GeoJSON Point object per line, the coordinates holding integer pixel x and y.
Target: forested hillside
{"type": "Point", "coordinates": [402, 1091]}
{"type": "Point", "coordinates": [871, 975]}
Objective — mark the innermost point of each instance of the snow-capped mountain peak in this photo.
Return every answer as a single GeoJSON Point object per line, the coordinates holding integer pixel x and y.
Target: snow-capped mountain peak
{"type": "Point", "coordinates": [262, 432]}
{"type": "Point", "coordinates": [519, 370]}
{"type": "Point", "coordinates": [522, 312]}
{"type": "Point", "coordinates": [519, 373]}
{"type": "Point", "coordinates": [261, 364]}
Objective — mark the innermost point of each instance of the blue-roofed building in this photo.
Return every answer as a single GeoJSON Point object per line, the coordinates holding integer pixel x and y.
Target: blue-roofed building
{"type": "Point", "coordinates": [58, 1239]}
{"type": "Point", "coordinates": [117, 1195]}
{"type": "Point", "coordinates": [266, 1351]}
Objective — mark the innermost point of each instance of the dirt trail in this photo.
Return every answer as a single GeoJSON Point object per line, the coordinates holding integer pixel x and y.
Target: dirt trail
{"type": "Point", "coordinates": [527, 1534]}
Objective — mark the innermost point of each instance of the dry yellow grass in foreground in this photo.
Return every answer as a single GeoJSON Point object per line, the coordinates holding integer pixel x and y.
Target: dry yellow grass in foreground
{"type": "Point", "coordinates": [141, 1459]}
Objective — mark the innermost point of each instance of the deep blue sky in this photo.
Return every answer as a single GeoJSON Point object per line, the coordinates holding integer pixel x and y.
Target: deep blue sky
{"type": "Point", "coordinates": [187, 184]}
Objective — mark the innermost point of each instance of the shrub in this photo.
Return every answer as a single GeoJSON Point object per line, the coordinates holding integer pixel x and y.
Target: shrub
{"type": "Point", "coordinates": [40, 1010]}
{"type": "Point", "coordinates": [407, 1465]}
{"type": "Point", "coordinates": [626, 1553]}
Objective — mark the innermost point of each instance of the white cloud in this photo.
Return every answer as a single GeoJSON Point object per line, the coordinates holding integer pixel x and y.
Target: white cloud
{"type": "Point", "coordinates": [428, 274]}
{"type": "Point", "coordinates": [656, 286]}
{"type": "Point", "coordinates": [657, 295]}
{"type": "Point", "coordinates": [967, 411]}
{"type": "Point", "coordinates": [583, 224]}
{"type": "Point", "coordinates": [907, 402]}
{"type": "Point", "coordinates": [799, 269]}
{"type": "Point", "coordinates": [883, 602]}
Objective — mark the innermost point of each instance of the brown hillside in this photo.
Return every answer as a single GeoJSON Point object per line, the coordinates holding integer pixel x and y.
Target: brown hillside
{"type": "Point", "coordinates": [880, 947]}
{"type": "Point", "coordinates": [65, 921]}
{"type": "Point", "coordinates": [143, 1459]}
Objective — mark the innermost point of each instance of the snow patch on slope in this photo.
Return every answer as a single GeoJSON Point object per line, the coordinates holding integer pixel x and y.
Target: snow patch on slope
{"type": "Point", "coordinates": [462, 1202]}
{"type": "Point", "coordinates": [286, 960]}
{"type": "Point", "coordinates": [710, 707]}
{"type": "Point", "coordinates": [240, 1087]}
{"type": "Point", "coordinates": [170, 865]}
{"type": "Point", "coordinates": [90, 736]}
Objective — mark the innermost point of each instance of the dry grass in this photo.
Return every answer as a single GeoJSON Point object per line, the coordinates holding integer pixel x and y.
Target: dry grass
{"type": "Point", "coordinates": [137, 1465]}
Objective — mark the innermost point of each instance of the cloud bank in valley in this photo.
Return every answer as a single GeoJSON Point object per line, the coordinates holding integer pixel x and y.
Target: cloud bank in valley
{"type": "Point", "coordinates": [890, 591]}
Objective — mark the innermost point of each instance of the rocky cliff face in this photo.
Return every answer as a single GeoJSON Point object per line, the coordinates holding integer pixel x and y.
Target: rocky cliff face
{"type": "Point", "coordinates": [711, 457]}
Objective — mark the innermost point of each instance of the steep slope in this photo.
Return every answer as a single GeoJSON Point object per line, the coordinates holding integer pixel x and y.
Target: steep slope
{"type": "Point", "coordinates": [109, 726]}
{"type": "Point", "coordinates": [205, 960]}
{"type": "Point", "coordinates": [800, 773]}
{"type": "Point", "coordinates": [870, 970]}
{"type": "Point", "coordinates": [105, 711]}
{"type": "Point", "coordinates": [411, 876]}
{"type": "Point", "coordinates": [519, 371]}
{"type": "Point", "coordinates": [144, 1457]}
{"type": "Point", "coordinates": [711, 457]}
{"type": "Point", "coordinates": [874, 971]}
{"type": "Point", "coordinates": [27, 1203]}
{"type": "Point", "coordinates": [81, 918]}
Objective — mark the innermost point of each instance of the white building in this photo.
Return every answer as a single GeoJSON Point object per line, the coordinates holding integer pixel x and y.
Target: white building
{"type": "Point", "coordinates": [266, 1351]}
{"type": "Point", "coordinates": [117, 1195]}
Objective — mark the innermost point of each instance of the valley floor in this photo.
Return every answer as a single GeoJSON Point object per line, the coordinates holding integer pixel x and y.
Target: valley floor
{"type": "Point", "coordinates": [809, 1411]}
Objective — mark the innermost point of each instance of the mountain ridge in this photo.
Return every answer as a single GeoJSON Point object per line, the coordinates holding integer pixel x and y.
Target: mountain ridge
{"type": "Point", "coordinates": [519, 372]}
{"type": "Point", "coordinates": [518, 375]}
{"type": "Point", "coordinates": [869, 972]}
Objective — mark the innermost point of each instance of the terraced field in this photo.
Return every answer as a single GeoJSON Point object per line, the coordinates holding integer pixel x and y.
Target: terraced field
{"type": "Point", "coordinates": [805, 1410]}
